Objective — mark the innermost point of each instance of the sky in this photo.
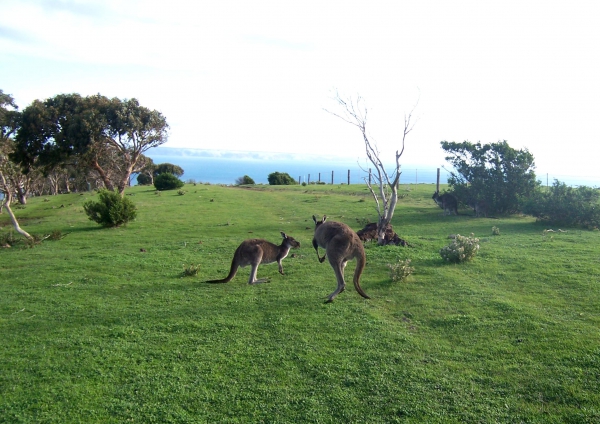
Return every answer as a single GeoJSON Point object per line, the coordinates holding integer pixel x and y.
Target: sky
{"type": "Point", "coordinates": [259, 76]}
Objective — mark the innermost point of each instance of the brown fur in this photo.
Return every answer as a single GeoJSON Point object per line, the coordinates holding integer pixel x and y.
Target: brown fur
{"type": "Point", "coordinates": [341, 245]}
{"type": "Point", "coordinates": [447, 202]}
{"type": "Point", "coordinates": [258, 251]}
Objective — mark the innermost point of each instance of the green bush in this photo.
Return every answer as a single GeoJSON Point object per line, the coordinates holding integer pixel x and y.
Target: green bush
{"type": "Point", "coordinates": [281, 178]}
{"type": "Point", "coordinates": [461, 249]}
{"type": "Point", "coordinates": [244, 180]}
{"type": "Point", "coordinates": [144, 179]}
{"type": "Point", "coordinates": [111, 210]}
{"type": "Point", "coordinates": [400, 270]}
{"type": "Point", "coordinates": [564, 205]}
{"type": "Point", "coordinates": [167, 181]}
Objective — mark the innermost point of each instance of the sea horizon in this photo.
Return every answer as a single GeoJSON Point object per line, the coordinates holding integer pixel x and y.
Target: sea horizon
{"type": "Point", "coordinates": [226, 166]}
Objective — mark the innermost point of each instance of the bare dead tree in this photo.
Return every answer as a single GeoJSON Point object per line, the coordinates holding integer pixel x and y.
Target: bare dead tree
{"type": "Point", "coordinates": [384, 188]}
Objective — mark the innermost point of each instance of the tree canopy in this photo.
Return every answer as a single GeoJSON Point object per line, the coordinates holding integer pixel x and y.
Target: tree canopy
{"type": "Point", "coordinates": [494, 174]}
{"type": "Point", "coordinates": [100, 132]}
{"type": "Point", "coordinates": [280, 178]}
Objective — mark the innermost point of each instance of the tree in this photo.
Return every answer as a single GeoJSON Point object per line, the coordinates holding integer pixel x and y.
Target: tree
{"type": "Point", "coordinates": [280, 178]}
{"type": "Point", "coordinates": [9, 117]}
{"type": "Point", "coordinates": [493, 174]}
{"type": "Point", "coordinates": [161, 168]}
{"type": "Point", "coordinates": [146, 174]}
{"type": "Point", "coordinates": [385, 187]}
{"type": "Point", "coordinates": [244, 180]}
{"type": "Point", "coordinates": [108, 135]}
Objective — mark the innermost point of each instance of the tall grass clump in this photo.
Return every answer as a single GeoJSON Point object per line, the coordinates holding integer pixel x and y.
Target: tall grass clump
{"type": "Point", "coordinates": [111, 210]}
{"type": "Point", "coordinates": [461, 249]}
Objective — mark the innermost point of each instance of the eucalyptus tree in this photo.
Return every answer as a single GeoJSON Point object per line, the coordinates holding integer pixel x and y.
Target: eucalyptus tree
{"type": "Point", "coordinates": [494, 174]}
{"type": "Point", "coordinates": [106, 135]}
{"type": "Point", "coordinates": [9, 180]}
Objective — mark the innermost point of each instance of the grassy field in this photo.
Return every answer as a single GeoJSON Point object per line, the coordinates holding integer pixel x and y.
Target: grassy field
{"type": "Point", "coordinates": [102, 326]}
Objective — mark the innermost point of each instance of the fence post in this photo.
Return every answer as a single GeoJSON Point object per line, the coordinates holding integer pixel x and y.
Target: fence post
{"type": "Point", "coordinates": [331, 177]}
{"type": "Point", "coordinates": [299, 179]}
{"type": "Point", "coordinates": [319, 177]}
{"type": "Point", "coordinates": [348, 177]}
{"type": "Point", "coordinates": [308, 182]}
{"type": "Point", "coordinates": [437, 185]}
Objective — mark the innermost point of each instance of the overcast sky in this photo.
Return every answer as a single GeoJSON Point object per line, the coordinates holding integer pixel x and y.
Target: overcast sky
{"type": "Point", "coordinates": [256, 75]}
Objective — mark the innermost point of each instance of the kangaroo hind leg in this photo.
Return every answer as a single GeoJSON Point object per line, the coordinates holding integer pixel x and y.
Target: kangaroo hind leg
{"type": "Point", "coordinates": [338, 269]}
{"type": "Point", "coordinates": [255, 263]}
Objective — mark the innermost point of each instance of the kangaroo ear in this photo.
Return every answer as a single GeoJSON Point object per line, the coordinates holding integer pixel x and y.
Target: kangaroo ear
{"type": "Point", "coordinates": [324, 218]}
{"type": "Point", "coordinates": [283, 235]}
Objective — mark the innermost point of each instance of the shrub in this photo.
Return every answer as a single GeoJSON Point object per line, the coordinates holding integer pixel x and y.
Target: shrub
{"type": "Point", "coordinates": [564, 205]}
{"type": "Point", "coordinates": [111, 210]}
{"type": "Point", "coordinates": [190, 270]}
{"type": "Point", "coordinates": [495, 231]}
{"type": "Point", "coordinates": [399, 271]}
{"type": "Point", "coordinates": [244, 180]}
{"type": "Point", "coordinates": [144, 179]}
{"type": "Point", "coordinates": [461, 249]}
{"type": "Point", "coordinates": [281, 178]}
{"type": "Point", "coordinates": [167, 181]}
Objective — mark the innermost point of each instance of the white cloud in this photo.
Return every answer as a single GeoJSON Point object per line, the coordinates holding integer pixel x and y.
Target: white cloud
{"type": "Point", "coordinates": [238, 75]}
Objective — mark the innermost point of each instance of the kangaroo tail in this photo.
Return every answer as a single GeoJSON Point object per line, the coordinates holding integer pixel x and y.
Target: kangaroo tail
{"type": "Point", "coordinates": [232, 273]}
{"type": "Point", "coordinates": [360, 266]}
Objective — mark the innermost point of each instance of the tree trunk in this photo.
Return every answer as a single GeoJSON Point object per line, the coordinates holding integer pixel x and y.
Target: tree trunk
{"type": "Point", "coordinates": [21, 195]}
{"type": "Point", "coordinates": [107, 183]}
{"type": "Point", "coordinates": [13, 218]}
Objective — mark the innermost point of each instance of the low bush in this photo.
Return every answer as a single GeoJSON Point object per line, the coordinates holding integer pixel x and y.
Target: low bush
{"type": "Point", "coordinates": [400, 270]}
{"type": "Point", "coordinates": [281, 178]}
{"type": "Point", "coordinates": [461, 249]}
{"type": "Point", "coordinates": [565, 205]}
{"type": "Point", "coordinates": [244, 180]}
{"type": "Point", "coordinates": [167, 181]}
{"type": "Point", "coordinates": [111, 210]}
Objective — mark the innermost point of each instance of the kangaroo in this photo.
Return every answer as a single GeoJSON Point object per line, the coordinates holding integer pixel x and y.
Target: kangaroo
{"type": "Point", "coordinates": [341, 244]}
{"type": "Point", "coordinates": [257, 251]}
{"type": "Point", "coordinates": [479, 207]}
{"type": "Point", "coordinates": [447, 202]}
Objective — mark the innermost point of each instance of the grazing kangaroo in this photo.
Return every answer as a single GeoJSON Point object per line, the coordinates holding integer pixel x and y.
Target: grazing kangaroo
{"type": "Point", "coordinates": [257, 251]}
{"type": "Point", "coordinates": [447, 202]}
{"type": "Point", "coordinates": [341, 244]}
{"type": "Point", "coordinates": [479, 207]}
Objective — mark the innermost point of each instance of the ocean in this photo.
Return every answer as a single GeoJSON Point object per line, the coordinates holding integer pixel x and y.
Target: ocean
{"type": "Point", "coordinates": [226, 169]}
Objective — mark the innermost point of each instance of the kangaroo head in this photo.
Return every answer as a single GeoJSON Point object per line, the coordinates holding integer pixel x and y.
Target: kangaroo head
{"type": "Point", "coordinates": [317, 222]}
{"type": "Point", "coordinates": [435, 196]}
{"type": "Point", "coordinates": [291, 241]}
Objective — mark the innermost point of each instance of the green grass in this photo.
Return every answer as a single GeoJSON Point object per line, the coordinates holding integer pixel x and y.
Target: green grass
{"type": "Point", "coordinates": [103, 326]}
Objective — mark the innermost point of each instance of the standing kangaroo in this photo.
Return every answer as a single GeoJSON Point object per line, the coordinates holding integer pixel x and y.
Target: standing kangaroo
{"type": "Point", "coordinates": [447, 202]}
{"type": "Point", "coordinates": [341, 244]}
{"type": "Point", "coordinates": [258, 251]}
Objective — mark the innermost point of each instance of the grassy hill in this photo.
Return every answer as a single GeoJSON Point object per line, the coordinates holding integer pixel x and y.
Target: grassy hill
{"type": "Point", "coordinates": [102, 325]}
